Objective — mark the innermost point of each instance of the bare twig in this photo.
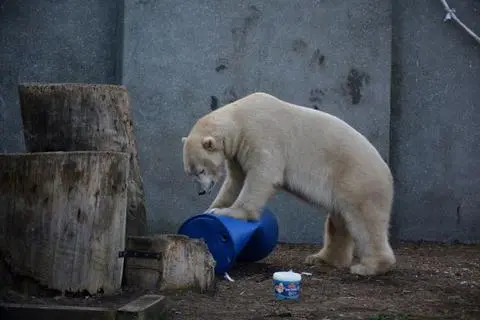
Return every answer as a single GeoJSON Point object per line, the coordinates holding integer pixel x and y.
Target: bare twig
{"type": "Point", "coordinates": [451, 15]}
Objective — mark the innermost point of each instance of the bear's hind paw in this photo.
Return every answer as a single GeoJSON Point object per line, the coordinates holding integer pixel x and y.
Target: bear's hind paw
{"type": "Point", "coordinates": [313, 259]}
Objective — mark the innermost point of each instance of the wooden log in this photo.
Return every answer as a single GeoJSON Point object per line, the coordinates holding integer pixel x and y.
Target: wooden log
{"type": "Point", "coordinates": [62, 218]}
{"type": "Point", "coordinates": [169, 262]}
{"type": "Point", "coordinates": [85, 117]}
{"type": "Point", "coordinates": [6, 279]}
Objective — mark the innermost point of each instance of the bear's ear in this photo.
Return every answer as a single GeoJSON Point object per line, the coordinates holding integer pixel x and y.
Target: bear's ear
{"type": "Point", "coordinates": [184, 139]}
{"type": "Point", "coordinates": [209, 143]}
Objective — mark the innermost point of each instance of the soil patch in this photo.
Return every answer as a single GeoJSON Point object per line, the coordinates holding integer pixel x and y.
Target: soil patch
{"type": "Point", "coordinates": [430, 281]}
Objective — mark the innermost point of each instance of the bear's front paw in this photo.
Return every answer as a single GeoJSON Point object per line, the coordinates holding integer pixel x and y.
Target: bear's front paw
{"type": "Point", "coordinates": [217, 206]}
{"type": "Point", "coordinates": [236, 213]}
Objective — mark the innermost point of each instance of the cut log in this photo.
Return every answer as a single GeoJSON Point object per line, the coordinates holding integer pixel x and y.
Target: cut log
{"type": "Point", "coordinates": [168, 261]}
{"type": "Point", "coordinates": [62, 218]}
{"type": "Point", "coordinates": [5, 276]}
{"type": "Point", "coordinates": [85, 117]}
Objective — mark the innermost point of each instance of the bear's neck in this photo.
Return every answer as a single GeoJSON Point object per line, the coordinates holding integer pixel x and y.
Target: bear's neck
{"type": "Point", "coordinates": [230, 137]}
{"type": "Point", "coordinates": [230, 144]}
{"type": "Point", "coordinates": [221, 125]}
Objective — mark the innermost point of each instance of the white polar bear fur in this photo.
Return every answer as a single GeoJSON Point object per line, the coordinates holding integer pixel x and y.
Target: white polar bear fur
{"type": "Point", "coordinates": [268, 144]}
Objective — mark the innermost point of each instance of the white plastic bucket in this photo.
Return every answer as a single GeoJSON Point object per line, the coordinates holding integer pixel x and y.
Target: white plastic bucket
{"type": "Point", "coordinates": [287, 285]}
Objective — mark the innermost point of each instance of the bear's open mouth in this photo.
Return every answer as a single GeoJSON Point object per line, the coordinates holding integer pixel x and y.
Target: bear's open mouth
{"type": "Point", "coordinates": [202, 190]}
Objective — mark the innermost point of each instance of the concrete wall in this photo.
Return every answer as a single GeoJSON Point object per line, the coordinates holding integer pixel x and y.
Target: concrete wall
{"type": "Point", "coordinates": [435, 148]}
{"type": "Point", "coordinates": [180, 59]}
{"type": "Point", "coordinates": [184, 57]}
{"type": "Point", "coordinates": [53, 41]}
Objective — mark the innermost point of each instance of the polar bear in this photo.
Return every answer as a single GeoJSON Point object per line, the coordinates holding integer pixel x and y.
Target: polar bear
{"type": "Point", "coordinates": [266, 144]}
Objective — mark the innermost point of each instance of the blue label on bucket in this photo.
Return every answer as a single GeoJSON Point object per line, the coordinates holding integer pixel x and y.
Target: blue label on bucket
{"type": "Point", "coordinates": [287, 290]}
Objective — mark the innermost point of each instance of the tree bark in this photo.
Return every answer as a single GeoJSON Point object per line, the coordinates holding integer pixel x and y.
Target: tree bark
{"type": "Point", "coordinates": [62, 218]}
{"type": "Point", "coordinates": [85, 117]}
{"type": "Point", "coordinates": [178, 262]}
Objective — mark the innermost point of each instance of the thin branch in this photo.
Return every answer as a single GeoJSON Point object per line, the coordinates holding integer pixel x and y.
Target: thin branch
{"type": "Point", "coordinates": [451, 15]}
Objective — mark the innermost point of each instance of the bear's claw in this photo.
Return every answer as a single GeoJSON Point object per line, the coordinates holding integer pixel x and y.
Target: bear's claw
{"type": "Point", "coordinates": [313, 259]}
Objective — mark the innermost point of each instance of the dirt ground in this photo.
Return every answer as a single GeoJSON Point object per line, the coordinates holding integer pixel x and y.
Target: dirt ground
{"type": "Point", "coordinates": [429, 282]}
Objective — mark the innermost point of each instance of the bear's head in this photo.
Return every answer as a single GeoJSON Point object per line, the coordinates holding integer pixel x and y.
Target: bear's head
{"type": "Point", "coordinates": [203, 160]}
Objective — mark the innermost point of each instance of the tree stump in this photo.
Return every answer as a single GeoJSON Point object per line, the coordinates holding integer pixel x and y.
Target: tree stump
{"type": "Point", "coordinates": [168, 261]}
{"type": "Point", "coordinates": [85, 117]}
{"type": "Point", "coordinates": [62, 218]}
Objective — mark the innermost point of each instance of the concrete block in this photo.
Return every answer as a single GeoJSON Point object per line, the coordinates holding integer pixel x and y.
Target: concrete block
{"type": "Point", "coordinates": [147, 307]}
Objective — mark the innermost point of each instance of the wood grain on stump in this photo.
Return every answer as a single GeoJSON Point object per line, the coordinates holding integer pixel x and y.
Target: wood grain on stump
{"type": "Point", "coordinates": [182, 263]}
{"type": "Point", "coordinates": [85, 117]}
{"type": "Point", "coordinates": [62, 218]}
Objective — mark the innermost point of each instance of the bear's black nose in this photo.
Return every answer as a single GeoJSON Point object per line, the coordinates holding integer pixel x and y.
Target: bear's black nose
{"type": "Point", "coordinates": [201, 193]}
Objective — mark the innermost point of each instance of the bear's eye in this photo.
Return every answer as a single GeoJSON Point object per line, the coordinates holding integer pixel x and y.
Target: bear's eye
{"type": "Point", "coordinates": [201, 171]}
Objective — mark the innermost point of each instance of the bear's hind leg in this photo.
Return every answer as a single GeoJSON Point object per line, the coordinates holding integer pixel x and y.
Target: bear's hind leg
{"type": "Point", "coordinates": [369, 229]}
{"type": "Point", "coordinates": [338, 244]}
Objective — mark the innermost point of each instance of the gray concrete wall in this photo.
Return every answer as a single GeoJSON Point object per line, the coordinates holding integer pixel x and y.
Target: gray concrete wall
{"type": "Point", "coordinates": [435, 148]}
{"type": "Point", "coordinates": [180, 59]}
{"type": "Point", "coordinates": [184, 57]}
{"type": "Point", "coordinates": [53, 41]}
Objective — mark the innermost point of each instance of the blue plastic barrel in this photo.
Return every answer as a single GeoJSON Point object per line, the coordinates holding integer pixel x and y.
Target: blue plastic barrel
{"type": "Point", "coordinates": [263, 240]}
{"type": "Point", "coordinates": [230, 240]}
